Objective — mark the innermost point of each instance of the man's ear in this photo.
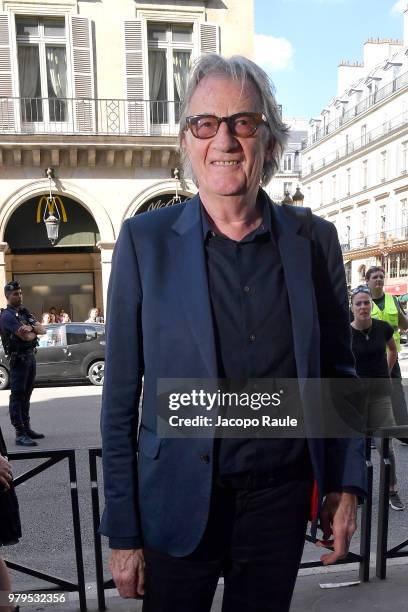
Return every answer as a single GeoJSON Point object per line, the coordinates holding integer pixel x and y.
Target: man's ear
{"type": "Point", "coordinates": [270, 148]}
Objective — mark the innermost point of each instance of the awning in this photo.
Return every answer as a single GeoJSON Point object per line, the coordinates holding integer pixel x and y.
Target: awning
{"type": "Point", "coordinates": [397, 289]}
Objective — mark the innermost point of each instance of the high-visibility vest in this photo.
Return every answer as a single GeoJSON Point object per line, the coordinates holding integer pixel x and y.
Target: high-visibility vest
{"type": "Point", "coordinates": [389, 314]}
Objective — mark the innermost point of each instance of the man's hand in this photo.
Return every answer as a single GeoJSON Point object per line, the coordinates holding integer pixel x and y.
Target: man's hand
{"type": "Point", "coordinates": [5, 473]}
{"type": "Point", "coordinates": [127, 567]}
{"type": "Point", "coordinates": [338, 521]}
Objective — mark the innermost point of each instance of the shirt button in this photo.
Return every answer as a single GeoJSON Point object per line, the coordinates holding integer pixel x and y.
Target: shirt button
{"type": "Point", "coordinates": [252, 337]}
{"type": "Point", "coordinates": [246, 289]}
{"type": "Point", "coordinates": [205, 458]}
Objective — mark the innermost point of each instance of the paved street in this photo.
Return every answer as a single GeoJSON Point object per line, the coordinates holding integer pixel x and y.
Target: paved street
{"type": "Point", "coordinates": [70, 418]}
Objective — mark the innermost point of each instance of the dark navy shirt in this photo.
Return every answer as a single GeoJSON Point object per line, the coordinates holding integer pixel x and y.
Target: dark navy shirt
{"type": "Point", "coordinates": [253, 334]}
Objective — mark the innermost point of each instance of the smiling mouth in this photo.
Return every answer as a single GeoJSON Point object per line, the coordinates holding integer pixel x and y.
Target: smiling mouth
{"type": "Point", "coordinates": [232, 162]}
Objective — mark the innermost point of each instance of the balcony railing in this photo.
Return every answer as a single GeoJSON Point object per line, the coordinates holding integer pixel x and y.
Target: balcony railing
{"type": "Point", "coordinates": [89, 116]}
{"type": "Point", "coordinates": [383, 239]}
{"type": "Point", "coordinates": [385, 92]}
{"type": "Point", "coordinates": [375, 135]}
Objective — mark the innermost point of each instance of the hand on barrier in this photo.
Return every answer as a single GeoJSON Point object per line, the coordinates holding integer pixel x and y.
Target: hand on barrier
{"type": "Point", "coordinates": [338, 521]}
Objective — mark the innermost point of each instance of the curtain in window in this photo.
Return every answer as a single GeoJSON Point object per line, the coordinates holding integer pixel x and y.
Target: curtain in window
{"type": "Point", "coordinates": [57, 72]}
{"type": "Point", "coordinates": [29, 71]}
{"type": "Point", "coordinates": [157, 70]}
{"type": "Point", "coordinates": [181, 68]}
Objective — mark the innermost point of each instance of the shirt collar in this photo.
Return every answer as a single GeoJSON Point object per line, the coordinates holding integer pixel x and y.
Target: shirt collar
{"type": "Point", "coordinates": [264, 228]}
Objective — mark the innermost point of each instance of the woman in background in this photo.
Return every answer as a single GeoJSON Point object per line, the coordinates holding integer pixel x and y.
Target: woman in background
{"type": "Point", "coordinates": [375, 352]}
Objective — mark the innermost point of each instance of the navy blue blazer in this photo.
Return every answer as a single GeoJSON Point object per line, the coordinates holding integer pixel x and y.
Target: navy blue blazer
{"type": "Point", "coordinates": [157, 491]}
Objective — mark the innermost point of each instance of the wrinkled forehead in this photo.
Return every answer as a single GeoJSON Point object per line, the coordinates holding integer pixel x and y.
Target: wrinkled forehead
{"type": "Point", "coordinates": [221, 94]}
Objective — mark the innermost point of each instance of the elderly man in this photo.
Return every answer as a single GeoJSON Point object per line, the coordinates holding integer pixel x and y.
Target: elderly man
{"type": "Point", "coordinates": [221, 287]}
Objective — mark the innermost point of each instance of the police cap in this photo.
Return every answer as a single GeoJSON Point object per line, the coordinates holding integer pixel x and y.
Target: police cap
{"type": "Point", "coordinates": [11, 286]}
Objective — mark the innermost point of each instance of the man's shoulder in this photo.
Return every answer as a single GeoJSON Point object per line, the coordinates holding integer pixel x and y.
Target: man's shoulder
{"type": "Point", "coordinates": [7, 319]}
{"type": "Point", "coordinates": [303, 214]}
{"type": "Point", "coordinates": [156, 221]}
{"type": "Point", "coordinates": [8, 313]}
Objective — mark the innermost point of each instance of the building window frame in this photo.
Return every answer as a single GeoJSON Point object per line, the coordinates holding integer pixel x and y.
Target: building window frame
{"type": "Point", "coordinates": [163, 112]}
{"type": "Point", "coordinates": [288, 162]}
{"type": "Point", "coordinates": [348, 181]}
{"type": "Point", "coordinates": [404, 157]}
{"type": "Point", "coordinates": [383, 166]}
{"type": "Point", "coordinates": [365, 174]}
{"type": "Point", "coordinates": [42, 12]}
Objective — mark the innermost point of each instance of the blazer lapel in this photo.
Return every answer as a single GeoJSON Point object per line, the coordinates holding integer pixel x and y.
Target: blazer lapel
{"type": "Point", "coordinates": [186, 246]}
{"type": "Point", "coordinates": [296, 259]}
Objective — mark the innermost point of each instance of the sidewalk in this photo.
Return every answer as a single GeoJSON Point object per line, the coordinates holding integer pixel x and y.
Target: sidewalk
{"type": "Point", "coordinates": [377, 595]}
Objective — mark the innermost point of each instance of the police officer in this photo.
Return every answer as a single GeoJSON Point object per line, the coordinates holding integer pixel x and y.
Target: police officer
{"type": "Point", "coordinates": [19, 330]}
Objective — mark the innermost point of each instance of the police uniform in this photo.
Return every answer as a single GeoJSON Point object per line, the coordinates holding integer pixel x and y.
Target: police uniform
{"type": "Point", "coordinates": [21, 355]}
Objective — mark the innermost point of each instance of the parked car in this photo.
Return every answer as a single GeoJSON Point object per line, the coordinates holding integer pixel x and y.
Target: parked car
{"type": "Point", "coordinates": [71, 351]}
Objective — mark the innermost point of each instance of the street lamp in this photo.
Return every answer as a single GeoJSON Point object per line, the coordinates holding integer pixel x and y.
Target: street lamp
{"type": "Point", "coordinates": [298, 197]}
{"type": "Point", "coordinates": [287, 199]}
{"type": "Point", "coordinates": [52, 216]}
{"type": "Point", "coordinates": [52, 226]}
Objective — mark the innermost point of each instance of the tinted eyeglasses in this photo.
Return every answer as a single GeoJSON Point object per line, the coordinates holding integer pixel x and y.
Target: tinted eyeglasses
{"type": "Point", "coordinates": [242, 125]}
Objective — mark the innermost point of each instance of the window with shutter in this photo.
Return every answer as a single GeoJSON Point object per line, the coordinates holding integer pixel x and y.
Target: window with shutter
{"type": "Point", "coordinates": [136, 111]}
{"type": "Point", "coordinates": [42, 72]}
{"type": "Point", "coordinates": [170, 48]}
{"type": "Point", "coordinates": [83, 77]}
{"type": "Point", "coordinates": [209, 38]}
{"type": "Point", "coordinates": [7, 104]}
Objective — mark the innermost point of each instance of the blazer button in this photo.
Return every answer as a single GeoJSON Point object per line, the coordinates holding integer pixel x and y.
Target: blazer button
{"type": "Point", "coordinates": [205, 458]}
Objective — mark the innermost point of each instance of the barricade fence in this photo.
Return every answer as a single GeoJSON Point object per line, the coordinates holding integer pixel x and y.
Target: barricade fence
{"type": "Point", "coordinates": [53, 457]}
{"type": "Point", "coordinates": [94, 455]}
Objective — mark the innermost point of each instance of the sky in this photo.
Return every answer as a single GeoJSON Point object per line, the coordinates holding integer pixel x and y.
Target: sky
{"type": "Point", "coordinates": [301, 42]}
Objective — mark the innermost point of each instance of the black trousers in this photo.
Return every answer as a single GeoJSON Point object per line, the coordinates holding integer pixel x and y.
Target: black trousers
{"type": "Point", "coordinates": [255, 537]}
{"type": "Point", "coordinates": [22, 378]}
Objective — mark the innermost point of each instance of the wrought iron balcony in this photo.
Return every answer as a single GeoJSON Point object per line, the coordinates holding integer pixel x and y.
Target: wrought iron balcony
{"type": "Point", "coordinates": [382, 240]}
{"type": "Point", "coordinates": [88, 116]}
{"type": "Point", "coordinates": [377, 134]}
{"type": "Point", "coordinates": [381, 94]}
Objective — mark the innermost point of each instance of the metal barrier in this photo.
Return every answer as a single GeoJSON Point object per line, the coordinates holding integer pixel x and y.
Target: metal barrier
{"type": "Point", "coordinates": [101, 583]}
{"type": "Point", "coordinates": [363, 558]}
{"type": "Point", "coordinates": [383, 554]}
{"type": "Point", "coordinates": [53, 457]}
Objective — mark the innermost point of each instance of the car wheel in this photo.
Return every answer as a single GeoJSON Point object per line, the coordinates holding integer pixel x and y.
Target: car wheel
{"type": "Point", "coordinates": [96, 372]}
{"type": "Point", "coordinates": [4, 378]}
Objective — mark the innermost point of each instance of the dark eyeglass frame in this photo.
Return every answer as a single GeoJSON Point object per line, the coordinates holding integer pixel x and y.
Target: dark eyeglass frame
{"type": "Point", "coordinates": [259, 119]}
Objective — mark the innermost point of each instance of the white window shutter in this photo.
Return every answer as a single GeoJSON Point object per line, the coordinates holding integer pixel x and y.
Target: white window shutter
{"type": "Point", "coordinates": [136, 106]}
{"type": "Point", "coordinates": [209, 38]}
{"type": "Point", "coordinates": [7, 104]}
{"type": "Point", "coordinates": [82, 73]}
